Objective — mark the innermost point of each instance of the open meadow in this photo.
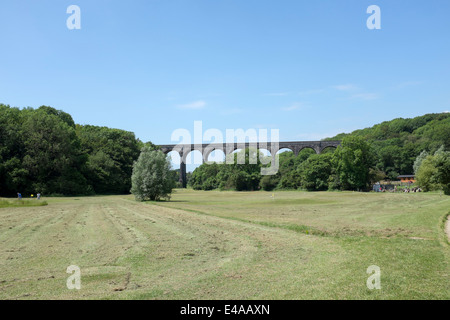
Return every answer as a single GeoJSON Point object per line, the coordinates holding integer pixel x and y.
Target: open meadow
{"type": "Point", "coordinates": [228, 245]}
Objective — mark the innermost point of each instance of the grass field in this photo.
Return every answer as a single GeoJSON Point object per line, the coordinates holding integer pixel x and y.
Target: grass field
{"type": "Point", "coordinates": [21, 203]}
{"type": "Point", "coordinates": [228, 245]}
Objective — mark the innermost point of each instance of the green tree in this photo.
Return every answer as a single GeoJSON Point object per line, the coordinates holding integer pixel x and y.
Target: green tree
{"type": "Point", "coordinates": [12, 176]}
{"type": "Point", "coordinates": [245, 175]}
{"type": "Point", "coordinates": [434, 171]}
{"type": "Point", "coordinates": [397, 143]}
{"type": "Point", "coordinates": [316, 171]}
{"type": "Point", "coordinates": [268, 183]}
{"type": "Point", "coordinates": [352, 161]}
{"type": "Point", "coordinates": [418, 162]}
{"type": "Point", "coordinates": [152, 178]}
{"type": "Point", "coordinates": [442, 173]}
{"type": "Point", "coordinates": [205, 177]}
{"type": "Point", "coordinates": [111, 154]}
{"type": "Point", "coordinates": [425, 174]}
{"type": "Point", "coordinates": [52, 157]}
{"type": "Point", "coordinates": [289, 172]}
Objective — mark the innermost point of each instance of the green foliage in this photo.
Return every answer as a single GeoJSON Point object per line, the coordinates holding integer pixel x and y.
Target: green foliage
{"type": "Point", "coordinates": [352, 162]}
{"type": "Point", "coordinates": [268, 183]}
{"type": "Point", "coordinates": [442, 174]}
{"type": "Point", "coordinates": [152, 178]}
{"type": "Point", "coordinates": [42, 150]}
{"type": "Point", "coordinates": [205, 177]}
{"type": "Point", "coordinates": [376, 175]}
{"type": "Point", "coordinates": [241, 173]}
{"type": "Point", "coordinates": [315, 172]}
{"type": "Point", "coordinates": [426, 173]}
{"type": "Point", "coordinates": [383, 151]}
{"type": "Point", "coordinates": [434, 172]}
{"type": "Point", "coordinates": [110, 156]}
{"type": "Point", "coordinates": [52, 156]}
{"type": "Point", "coordinates": [22, 203]}
{"type": "Point", "coordinates": [397, 143]}
{"type": "Point", "coordinates": [422, 156]}
{"type": "Point", "coordinates": [289, 172]}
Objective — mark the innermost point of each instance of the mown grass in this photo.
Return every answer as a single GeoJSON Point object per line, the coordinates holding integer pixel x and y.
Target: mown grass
{"type": "Point", "coordinates": [21, 203]}
{"type": "Point", "coordinates": [228, 245]}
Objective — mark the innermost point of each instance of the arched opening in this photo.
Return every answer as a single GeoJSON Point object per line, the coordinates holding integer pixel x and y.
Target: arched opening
{"type": "Point", "coordinates": [286, 158]}
{"type": "Point", "coordinates": [265, 156]}
{"type": "Point", "coordinates": [265, 152]}
{"type": "Point", "coordinates": [193, 160]}
{"type": "Point", "coordinates": [307, 150]}
{"type": "Point", "coordinates": [304, 154]}
{"type": "Point", "coordinates": [217, 156]}
{"type": "Point", "coordinates": [232, 157]}
{"type": "Point", "coordinates": [329, 149]}
{"type": "Point", "coordinates": [175, 159]}
{"type": "Point", "coordinates": [283, 150]}
{"type": "Point", "coordinates": [194, 157]}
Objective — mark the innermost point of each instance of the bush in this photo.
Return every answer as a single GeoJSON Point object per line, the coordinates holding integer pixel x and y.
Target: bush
{"type": "Point", "coordinates": [315, 172]}
{"type": "Point", "coordinates": [152, 178]}
{"type": "Point", "coordinates": [434, 172]}
{"type": "Point", "coordinates": [268, 183]}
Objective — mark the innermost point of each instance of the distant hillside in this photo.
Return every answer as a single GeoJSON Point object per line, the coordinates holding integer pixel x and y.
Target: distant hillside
{"type": "Point", "coordinates": [398, 142]}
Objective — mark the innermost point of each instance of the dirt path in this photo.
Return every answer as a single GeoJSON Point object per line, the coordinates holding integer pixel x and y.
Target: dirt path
{"type": "Point", "coordinates": [447, 228]}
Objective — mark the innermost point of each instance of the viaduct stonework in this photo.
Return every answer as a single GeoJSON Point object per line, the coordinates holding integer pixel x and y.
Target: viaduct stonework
{"type": "Point", "coordinates": [228, 148]}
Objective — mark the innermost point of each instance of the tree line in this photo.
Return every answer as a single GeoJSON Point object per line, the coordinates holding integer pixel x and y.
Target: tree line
{"type": "Point", "coordinates": [365, 156]}
{"type": "Point", "coordinates": [43, 150]}
{"type": "Point", "coordinates": [398, 142]}
{"type": "Point", "coordinates": [346, 168]}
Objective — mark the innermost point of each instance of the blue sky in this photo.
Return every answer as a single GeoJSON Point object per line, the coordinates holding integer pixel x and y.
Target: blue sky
{"type": "Point", "coordinates": [311, 69]}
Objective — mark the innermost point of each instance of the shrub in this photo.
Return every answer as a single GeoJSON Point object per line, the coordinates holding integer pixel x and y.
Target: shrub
{"type": "Point", "coordinates": [152, 178]}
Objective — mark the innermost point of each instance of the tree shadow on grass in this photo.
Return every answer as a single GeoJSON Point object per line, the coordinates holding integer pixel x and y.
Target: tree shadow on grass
{"type": "Point", "coordinates": [164, 201]}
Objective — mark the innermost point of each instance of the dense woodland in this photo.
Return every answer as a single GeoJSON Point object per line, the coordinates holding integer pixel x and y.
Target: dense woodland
{"type": "Point", "coordinates": [43, 150]}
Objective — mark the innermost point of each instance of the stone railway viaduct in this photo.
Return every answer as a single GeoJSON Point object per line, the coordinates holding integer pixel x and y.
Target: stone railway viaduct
{"type": "Point", "coordinates": [228, 148]}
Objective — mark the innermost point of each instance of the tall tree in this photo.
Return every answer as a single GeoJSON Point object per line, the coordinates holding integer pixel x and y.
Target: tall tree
{"type": "Point", "coordinates": [111, 153]}
{"type": "Point", "coordinates": [52, 158]}
{"type": "Point", "coordinates": [352, 161]}
{"type": "Point", "coordinates": [316, 171]}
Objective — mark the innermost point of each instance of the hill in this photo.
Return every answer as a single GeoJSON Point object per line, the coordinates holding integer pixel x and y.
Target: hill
{"type": "Point", "coordinates": [398, 142]}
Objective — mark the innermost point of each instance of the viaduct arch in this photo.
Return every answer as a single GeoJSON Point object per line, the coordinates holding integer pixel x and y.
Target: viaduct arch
{"type": "Point", "coordinates": [228, 148]}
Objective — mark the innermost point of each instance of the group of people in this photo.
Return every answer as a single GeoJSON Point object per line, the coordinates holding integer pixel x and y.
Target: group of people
{"type": "Point", "coordinates": [415, 189]}
{"type": "Point", "coordinates": [406, 190]}
{"type": "Point", "coordinates": [19, 196]}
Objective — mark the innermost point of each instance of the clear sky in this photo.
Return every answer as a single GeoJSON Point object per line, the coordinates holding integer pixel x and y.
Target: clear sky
{"type": "Point", "coordinates": [311, 69]}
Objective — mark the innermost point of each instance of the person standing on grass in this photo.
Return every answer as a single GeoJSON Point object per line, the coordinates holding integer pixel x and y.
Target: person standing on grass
{"type": "Point", "coordinates": [19, 196]}
{"type": "Point", "coordinates": [38, 196]}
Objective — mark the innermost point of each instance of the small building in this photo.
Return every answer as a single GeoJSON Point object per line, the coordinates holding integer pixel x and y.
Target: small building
{"type": "Point", "coordinates": [407, 178]}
